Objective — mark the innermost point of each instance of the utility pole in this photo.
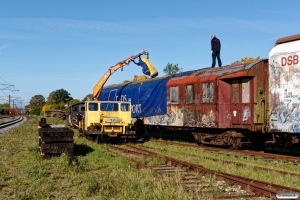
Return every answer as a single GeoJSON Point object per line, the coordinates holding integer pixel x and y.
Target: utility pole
{"type": "Point", "coordinates": [13, 110]}
{"type": "Point", "coordinates": [7, 87]}
{"type": "Point", "coordinates": [9, 105]}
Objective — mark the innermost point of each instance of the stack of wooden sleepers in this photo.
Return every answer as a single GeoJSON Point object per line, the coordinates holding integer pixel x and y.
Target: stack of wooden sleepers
{"type": "Point", "coordinates": [54, 140]}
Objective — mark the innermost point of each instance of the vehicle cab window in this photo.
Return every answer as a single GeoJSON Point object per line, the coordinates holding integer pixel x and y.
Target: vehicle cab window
{"type": "Point", "coordinates": [93, 106]}
{"type": "Point", "coordinates": [109, 107]}
{"type": "Point", "coordinates": [125, 107]}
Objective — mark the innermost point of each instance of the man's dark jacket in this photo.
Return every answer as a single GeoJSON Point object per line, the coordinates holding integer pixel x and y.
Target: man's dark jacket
{"type": "Point", "coordinates": [215, 44]}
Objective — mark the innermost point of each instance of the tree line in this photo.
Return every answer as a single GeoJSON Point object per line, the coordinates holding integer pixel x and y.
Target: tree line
{"type": "Point", "coordinates": [58, 99]}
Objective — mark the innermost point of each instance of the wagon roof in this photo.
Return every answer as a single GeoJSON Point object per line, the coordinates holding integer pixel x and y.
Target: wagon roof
{"type": "Point", "coordinates": [75, 104]}
{"type": "Point", "coordinates": [219, 71]}
{"type": "Point", "coordinates": [287, 39]}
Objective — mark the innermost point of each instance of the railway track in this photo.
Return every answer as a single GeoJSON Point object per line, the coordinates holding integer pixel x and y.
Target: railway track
{"type": "Point", "coordinates": [205, 186]}
{"type": "Point", "coordinates": [239, 164]}
{"type": "Point", "coordinates": [257, 155]}
{"type": "Point", "coordinates": [257, 188]}
{"type": "Point", "coordinates": [10, 121]}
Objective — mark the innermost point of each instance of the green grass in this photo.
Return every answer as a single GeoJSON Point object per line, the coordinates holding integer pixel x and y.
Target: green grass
{"type": "Point", "coordinates": [185, 153]}
{"type": "Point", "coordinates": [99, 174]}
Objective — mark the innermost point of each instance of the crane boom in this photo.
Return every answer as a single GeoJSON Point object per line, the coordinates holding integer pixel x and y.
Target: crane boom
{"type": "Point", "coordinates": [98, 87]}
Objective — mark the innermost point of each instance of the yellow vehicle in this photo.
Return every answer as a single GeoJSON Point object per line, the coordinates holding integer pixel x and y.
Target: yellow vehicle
{"type": "Point", "coordinates": [107, 120]}
{"type": "Point", "coordinates": [111, 120]}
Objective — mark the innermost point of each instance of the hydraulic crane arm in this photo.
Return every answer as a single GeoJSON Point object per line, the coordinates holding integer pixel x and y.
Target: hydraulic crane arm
{"type": "Point", "coordinates": [98, 87]}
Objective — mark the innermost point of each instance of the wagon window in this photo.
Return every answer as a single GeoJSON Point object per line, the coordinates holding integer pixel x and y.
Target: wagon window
{"type": "Point", "coordinates": [189, 94]}
{"type": "Point", "coordinates": [125, 107]}
{"type": "Point", "coordinates": [208, 92]}
{"type": "Point", "coordinates": [235, 91]}
{"type": "Point", "coordinates": [75, 109]}
{"type": "Point", "coordinates": [245, 90]}
{"type": "Point", "coordinates": [174, 94]}
{"type": "Point", "coordinates": [93, 106]}
{"type": "Point", "coordinates": [82, 109]}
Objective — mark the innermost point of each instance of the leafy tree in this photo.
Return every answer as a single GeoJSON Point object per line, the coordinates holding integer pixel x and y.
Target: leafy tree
{"type": "Point", "coordinates": [35, 111]}
{"type": "Point", "coordinates": [60, 106]}
{"type": "Point", "coordinates": [37, 101]}
{"type": "Point", "coordinates": [59, 96]}
{"type": "Point", "coordinates": [171, 69]}
{"type": "Point", "coordinates": [35, 104]}
{"type": "Point", "coordinates": [87, 97]}
{"type": "Point", "coordinates": [74, 101]}
{"type": "Point", "coordinates": [246, 60]}
{"type": "Point", "coordinates": [5, 105]}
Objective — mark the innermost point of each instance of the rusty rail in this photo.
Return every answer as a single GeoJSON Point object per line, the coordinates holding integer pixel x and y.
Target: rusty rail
{"type": "Point", "coordinates": [258, 187]}
{"type": "Point", "coordinates": [265, 155]}
{"type": "Point", "coordinates": [137, 163]}
{"type": "Point", "coordinates": [168, 170]}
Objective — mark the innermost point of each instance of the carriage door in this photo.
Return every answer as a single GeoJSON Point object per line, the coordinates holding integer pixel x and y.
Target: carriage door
{"type": "Point", "coordinates": [240, 102]}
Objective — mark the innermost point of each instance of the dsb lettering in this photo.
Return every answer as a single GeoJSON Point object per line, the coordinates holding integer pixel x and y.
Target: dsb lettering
{"type": "Point", "coordinates": [290, 60]}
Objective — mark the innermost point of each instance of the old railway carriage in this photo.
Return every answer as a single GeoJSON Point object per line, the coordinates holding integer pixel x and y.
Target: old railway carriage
{"type": "Point", "coordinates": [226, 106]}
{"type": "Point", "coordinates": [232, 105]}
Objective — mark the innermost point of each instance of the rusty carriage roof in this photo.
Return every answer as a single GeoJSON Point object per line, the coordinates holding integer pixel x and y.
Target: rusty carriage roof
{"type": "Point", "coordinates": [240, 69]}
{"type": "Point", "coordinates": [229, 71]}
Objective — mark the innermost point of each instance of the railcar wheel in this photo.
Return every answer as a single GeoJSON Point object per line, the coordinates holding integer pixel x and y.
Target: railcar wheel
{"type": "Point", "coordinates": [236, 143]}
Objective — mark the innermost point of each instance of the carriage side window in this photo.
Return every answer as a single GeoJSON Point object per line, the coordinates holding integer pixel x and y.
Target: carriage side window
{"type": "Point", "coordinates": [189, 94]}
{"type": "Point", "coordinates": [245, 90]}
{"type": "Point", "coordinates": [125, 107]}
{"type": "Point", "coordinates": [82, 109]}
{"type": "Point", "coordinates": [174, 95]}
{"type": "Point", "coordinates": [208, 92]}
{"type": "Point", "coordinates": [235, 91]}
{"type": "Point", "coordinates": [93, 106]}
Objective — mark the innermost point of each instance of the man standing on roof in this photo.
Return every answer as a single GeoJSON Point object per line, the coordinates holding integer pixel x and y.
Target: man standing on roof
{"type": "Point", "coordinates": [215, 50]}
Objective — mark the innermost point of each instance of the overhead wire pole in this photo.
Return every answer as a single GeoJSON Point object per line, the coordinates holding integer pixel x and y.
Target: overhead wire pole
{"type": "Point", "coordinates": [13, 103]}
{"type": "Point", "coordinates": [16, 108]}
{"type": "Point", "coordinates": [7, 86]}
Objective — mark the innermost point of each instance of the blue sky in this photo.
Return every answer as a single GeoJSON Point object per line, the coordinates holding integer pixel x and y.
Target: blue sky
{"type": "Point", "coordinates": [69, 44]}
